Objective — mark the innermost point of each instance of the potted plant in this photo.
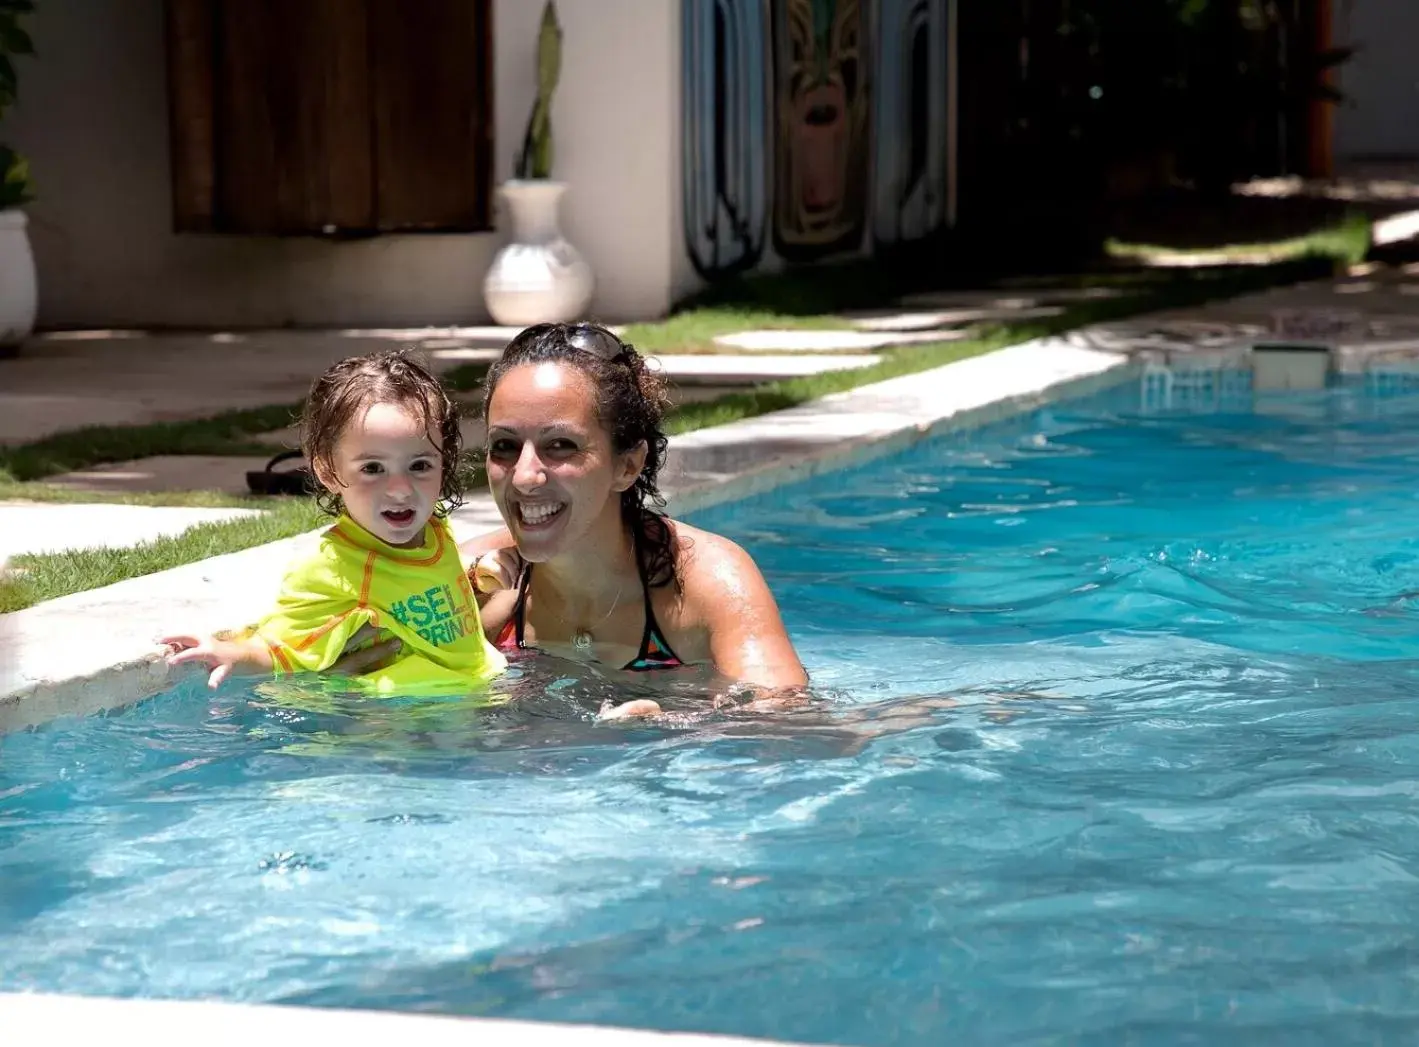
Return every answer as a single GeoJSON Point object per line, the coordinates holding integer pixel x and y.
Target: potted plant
{"type": "Point", "coordinates": [17, 275]}
{"type": "Point", "coordinates": [538, 277]}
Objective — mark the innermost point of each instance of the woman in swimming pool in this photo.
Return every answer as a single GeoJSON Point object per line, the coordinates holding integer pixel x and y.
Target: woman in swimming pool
{"type": "Point", "coordinates": [588, 566]}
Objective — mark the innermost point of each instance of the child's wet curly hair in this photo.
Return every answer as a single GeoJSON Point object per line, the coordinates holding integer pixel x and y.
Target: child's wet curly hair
{"type": "Point", "coordinates": [391, 376]}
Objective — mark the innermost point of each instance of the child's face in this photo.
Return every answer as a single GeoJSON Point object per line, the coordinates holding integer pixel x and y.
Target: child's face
{"type": "Point", "coordinates": [388, 473]}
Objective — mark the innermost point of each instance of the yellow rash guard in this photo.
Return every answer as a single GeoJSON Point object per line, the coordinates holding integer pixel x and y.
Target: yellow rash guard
{"type": "Point", "coordinates": [422, 596]}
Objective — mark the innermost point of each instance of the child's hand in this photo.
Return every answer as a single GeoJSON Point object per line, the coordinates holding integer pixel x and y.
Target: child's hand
{"type": "Point", "coordinates": [222, 656]}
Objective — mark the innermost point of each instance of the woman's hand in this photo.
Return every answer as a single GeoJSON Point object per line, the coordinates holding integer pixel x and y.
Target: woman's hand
{"type": "Point", "coordinates": [629, 710]}
{"type": "Point", "coordinates": [366, 651]}
{"type": "Point", "coordinates": [750, 698]}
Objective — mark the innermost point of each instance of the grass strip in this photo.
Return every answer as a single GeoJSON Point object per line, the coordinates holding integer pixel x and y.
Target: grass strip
{"type": "Point", "coordinates": [1347, 242]}
{"type": "Point", "coordinates": [45, 576]}
{"type": "Point", "coordinates": [223, 434]}
{"type": "Point", "coordinates": [32, 491]}
{"type": "Point", "coordinates": [694, 330]}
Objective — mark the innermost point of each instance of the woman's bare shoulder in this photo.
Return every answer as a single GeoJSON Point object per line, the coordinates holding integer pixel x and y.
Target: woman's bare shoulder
{"type": "Point", "coordinates": [724, 590]}
{"type": "Point", "coordinates": [713, 567]}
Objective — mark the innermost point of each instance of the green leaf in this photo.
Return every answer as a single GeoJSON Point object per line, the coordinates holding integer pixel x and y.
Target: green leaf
{"type": "Point", "coordinates": [14, 178]}
{"type": "Point", "coordinates": [17, 170]}
{"type": "Point", "coordinates": [19, 7]}
{"type": "Point", "coordinates": [549, 53]}
{"type": "Point", "coordinates": [14, 39]}
{"type": "Point", "coordinates": [7, 76]}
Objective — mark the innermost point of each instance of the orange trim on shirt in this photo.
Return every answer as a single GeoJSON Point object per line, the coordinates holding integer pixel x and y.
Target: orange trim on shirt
{"type": "Point", "coordinates": [278, 655]}
{"type": "Point", "coordinates": [311, 638]}
{"type": "Point", "coordinates": [368, 579]}
{"type": "Point", "coordinates": [393, 553]}
{"type": "Point", "coordinates": [436, 556]}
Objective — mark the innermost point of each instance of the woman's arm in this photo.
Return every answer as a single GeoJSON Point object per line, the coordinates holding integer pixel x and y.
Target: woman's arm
{"type": "Point", "coordinates": [725, 589]}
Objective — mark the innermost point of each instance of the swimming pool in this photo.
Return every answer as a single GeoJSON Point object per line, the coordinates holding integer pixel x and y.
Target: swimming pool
{"type": "Point", "coordinates": [1117, 745]}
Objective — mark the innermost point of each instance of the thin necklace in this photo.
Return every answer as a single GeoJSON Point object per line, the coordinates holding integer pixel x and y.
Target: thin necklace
{"type": "Point", "coordinates": [582, 638]}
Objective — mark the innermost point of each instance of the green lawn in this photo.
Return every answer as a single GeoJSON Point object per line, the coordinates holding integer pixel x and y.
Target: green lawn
{"type": "Point", "coordinates": [1347, 242]}
{"type": "Point", "coordinates": [50, 575]}
{"type": "Point", "coordinates": [42, 577]}
{"type": "Point", "coordinates": [38, 491]}
{"type": "Point", "coordinates": [694, 330]}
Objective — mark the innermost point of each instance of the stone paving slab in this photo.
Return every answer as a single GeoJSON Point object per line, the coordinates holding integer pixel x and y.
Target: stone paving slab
{"type": "Point", "coordinates": [773, 341]}
{"type": "Point", "coordinates": [1381, 297]}
{"type": "Point", "coordinates": [41, 1020]}
{"type": "Point", "coordinates": [1012, 295]}
{"type": "Point", "coordinates": [122, 664]}
{"type": "Point", "coordinates": [935, 319]}
{"type": "Point", "coordinates": [35, 527]}
{"type": "Point", "coordinates": [729, 369]}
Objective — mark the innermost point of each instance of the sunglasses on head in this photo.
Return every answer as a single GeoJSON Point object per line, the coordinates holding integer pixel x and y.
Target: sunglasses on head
{"type": "Point", "coordinates": [589, 338]}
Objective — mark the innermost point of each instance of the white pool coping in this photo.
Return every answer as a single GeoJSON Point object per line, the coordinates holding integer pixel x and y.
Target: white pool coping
{"type": "Point", "coordinates": [98, 650]}
{"type": "Point", "coordinates": [35, 1020]}
{"type": "Point", "coordinates": [95, 651]}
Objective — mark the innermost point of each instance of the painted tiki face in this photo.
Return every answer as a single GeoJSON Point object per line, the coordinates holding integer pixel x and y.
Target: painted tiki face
{"type": "Point", "coordinates": [822, 112]}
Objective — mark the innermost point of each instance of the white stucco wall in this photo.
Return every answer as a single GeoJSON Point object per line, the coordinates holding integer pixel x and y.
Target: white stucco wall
{"type": "Point", "coordinates": [1380, 116]}
{"type": "Point", "coordinates": [93, 119]}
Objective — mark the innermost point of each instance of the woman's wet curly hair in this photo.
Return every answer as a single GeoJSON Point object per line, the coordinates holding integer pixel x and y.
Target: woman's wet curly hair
{"type": "Point", "coordinates": [631, 402]}
{"type": "Point", "coordinates": [351, 386]}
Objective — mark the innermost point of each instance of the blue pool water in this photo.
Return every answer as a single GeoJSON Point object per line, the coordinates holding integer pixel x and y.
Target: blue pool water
{"type": "Point", "coordinates": [1118, 744]}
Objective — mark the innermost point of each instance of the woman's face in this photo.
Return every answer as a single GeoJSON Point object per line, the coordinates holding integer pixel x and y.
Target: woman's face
{"type": "Point", "coordinates": [551, 467]}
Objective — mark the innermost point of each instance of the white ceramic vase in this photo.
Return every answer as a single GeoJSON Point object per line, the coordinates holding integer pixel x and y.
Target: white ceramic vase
{"type": "Point", "coordinates": [17, 280]}
{"type": "Point", "coordinates": [538, 277]}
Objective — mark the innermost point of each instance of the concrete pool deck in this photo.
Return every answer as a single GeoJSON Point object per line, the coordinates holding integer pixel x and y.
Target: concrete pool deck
{"type": "Point", "coordinates": [119, 661]}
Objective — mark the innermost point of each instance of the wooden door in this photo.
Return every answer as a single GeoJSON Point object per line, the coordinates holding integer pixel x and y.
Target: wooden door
{"type": "Point", "coordinates": [334, 117]}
